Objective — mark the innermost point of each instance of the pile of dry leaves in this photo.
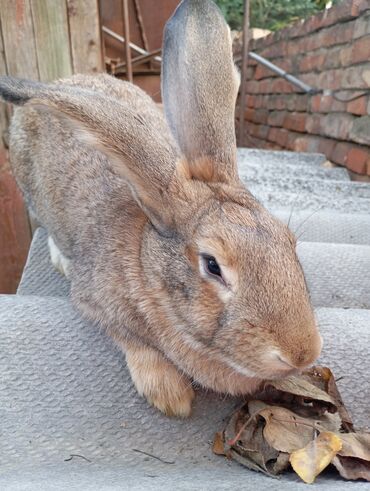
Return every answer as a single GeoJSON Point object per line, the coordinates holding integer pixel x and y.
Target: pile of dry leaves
{"type": "Point", "coordinates": [299, 421]}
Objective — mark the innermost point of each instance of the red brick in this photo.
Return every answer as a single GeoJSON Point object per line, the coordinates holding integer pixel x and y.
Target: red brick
{"type": "Point", "coordinates": [300, 144]}
{"type": "Point", "coordinates": [360, 131]}
{"type": "Point", "coordinates": [345, 55]}
{"type": "Point", "coordinates": [278, 135]}
{"type": "Point", "coordinates": [362, 27]}
{"type": "Point", "coordinates": [358, 160]}
{"type": "Point", "coordinates": [298, 102]}
{"type": "Point", "coordinates": [340, 151]}
{"type": "Point", "coordinates": [337, 125]}
{"type": "Point", "coordinates": [360, 51]}
{"type": "Point", "coordinates": [250, 101]}
{"type": "Point", "coordinates": [276, 118]}
{"type": "Point", "coordinates": [276, 101]}
{"type": "Point", "coordinates": [326, 146]}
{"type": "Point", "coordinates": [314, 124]}
{"type": "Point", "coordinates": [258, 130]}
{"type": "Point", "coordinates": [311, 62]}
{"type": "Point", "coordinates": [332, 59]}
{"type": "Point", "coordinates": [256, 115]}
{"type": "Point", "coordinates": [295, 122]}
{"type": "Point", "coordinates": [310, 78]}
{"type": "Point", "coordinates": [340, 33]}
{"type": "Point", "coordinates": [355, 157]}
{"type": "Point", "coordinates": [358, 106]}
{"type": "Point", "coordinates": [356, 77]}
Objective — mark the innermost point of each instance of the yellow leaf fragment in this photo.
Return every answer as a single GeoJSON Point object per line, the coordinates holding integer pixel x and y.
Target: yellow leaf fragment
{"type": "Point", "coordinates": [218, 444]}
{"type": "Point", "coordinates": [309, 461]}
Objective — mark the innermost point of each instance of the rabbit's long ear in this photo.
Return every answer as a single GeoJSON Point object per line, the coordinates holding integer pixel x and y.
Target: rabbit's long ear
{"type": "Point", "coordinates": [141, 153]}
{"type": "Point", "coordinates": [199, 88]}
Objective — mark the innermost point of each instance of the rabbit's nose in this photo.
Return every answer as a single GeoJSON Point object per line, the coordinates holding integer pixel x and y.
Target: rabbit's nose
{"type": "Point", "coordinates": [302, 358]}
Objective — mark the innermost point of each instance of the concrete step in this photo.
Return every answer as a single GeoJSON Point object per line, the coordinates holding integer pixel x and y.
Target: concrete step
{"type": "Point", "coordinates": [337, 190]}
{"type": "Point", "coordinates": [253, 171]}
{"type": "Point", "coordinates": [337, 275]}
{"type": "Point", "coordinates": [304, 201]}
{"type": "Point", "coordinates": [329, 226]}
{"type": "Point", "coordinates": [282, 157]}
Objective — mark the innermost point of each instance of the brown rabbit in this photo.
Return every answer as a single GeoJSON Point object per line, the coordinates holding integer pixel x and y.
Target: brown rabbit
{"type": "Point", "coordinates": [164, 246]}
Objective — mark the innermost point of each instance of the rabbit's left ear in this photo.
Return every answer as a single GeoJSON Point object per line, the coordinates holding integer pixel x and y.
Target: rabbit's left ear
{"type": "Point", "coordinates": [142, 155]}
{"type": "Point", "coordinates": [199, 89]}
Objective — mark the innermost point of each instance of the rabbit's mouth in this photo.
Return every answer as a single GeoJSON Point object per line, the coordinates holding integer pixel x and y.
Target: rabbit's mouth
{"type": "Point", "coordinates": [276, 370]}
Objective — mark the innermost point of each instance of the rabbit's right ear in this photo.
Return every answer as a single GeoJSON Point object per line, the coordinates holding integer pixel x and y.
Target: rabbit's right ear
{"type": "Point", "coordinates": [199, 89]}
{"type": "Point", "coordinates": [141, 153]}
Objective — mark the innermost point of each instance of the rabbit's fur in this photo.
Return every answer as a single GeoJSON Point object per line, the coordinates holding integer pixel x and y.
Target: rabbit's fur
{"type": "Point", "coordinates": [134, 210]}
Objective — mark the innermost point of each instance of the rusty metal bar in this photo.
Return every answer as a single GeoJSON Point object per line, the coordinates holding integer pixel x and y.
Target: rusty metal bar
{"type": "Point", "coordinates": [126, 33]}
{"type": "Point", "coordinates": [141, 58]}
{"type": "Point", "coordinates": [279, 71]}
{"type": "Point", "coordinates": [244, 70]}
{"type": "Point", "coordinates": [141, 25]}
{"type": "Point", "coordinates": [133, 46]}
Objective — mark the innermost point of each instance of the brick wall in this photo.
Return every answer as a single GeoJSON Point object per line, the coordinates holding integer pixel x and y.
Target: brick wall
{"type": "Point", "coordinates": [327, 51]}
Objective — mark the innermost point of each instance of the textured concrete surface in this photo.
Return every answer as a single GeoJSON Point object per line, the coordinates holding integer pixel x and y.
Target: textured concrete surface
{"type": "Point", "coordinates": [280, 165]}
{"type": "Point", "coordinates": [299, 180]}
{"type": "Point", "coordinates": [327, 226]}
{"type": "Point", "coordinates": [296, 158]}
{"type": "Point", "coordinates": [65, 390]}
{"type": "Point", "coordinates": [253, 171]}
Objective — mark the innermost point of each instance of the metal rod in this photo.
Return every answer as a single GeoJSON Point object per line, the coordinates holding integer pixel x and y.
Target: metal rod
{"type": "Point", "coordinates": [140, 59]}
{"type": "Point", "coordinates": [141, 25]}
{"type": "Point", "coordinates": [133, 46]}
{"type": "Point", "coordinates": [244, 70]}
{"type": "Point", "coordinates": [126, 33]}
{"type": "Point", "coordinates": [279, 71]}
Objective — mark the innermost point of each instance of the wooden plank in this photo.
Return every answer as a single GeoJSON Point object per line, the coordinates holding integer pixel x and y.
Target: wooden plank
{"type": "Point", "coordinates": [52, 38]}
{"type": "Point", "coordinates": [15, 234]}
{"type": "Point", "coordinates": [18, 38]}
{"type": "Point", "coordinates": [126, 35]}
{"type": "Point", "coordinates": [86, 43]}
{"type": "Point", "coordinates": [3, 108]}
{"type": "Point", "coordinates": [18, 58]}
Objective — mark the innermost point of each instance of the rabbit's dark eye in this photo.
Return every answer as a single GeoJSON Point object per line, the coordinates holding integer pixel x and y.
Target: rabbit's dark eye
{"type": "Point", "coordinates": [211, 266]}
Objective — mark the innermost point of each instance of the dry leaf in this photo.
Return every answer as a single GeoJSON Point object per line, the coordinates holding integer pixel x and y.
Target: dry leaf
{"type": "Point", "coordinates": [218, 444]}
{"type": "Point", "coordinates": [352, 468]}
{"type": "Point", "coordinates": [330, 386]}
{"type": "Point", "coordinates": [356, 445]}
{"type": "Point", "coordinates": [301, 387]}
{"type": "Point", "coordinates": [285, 431]}
{"type": "Point", "coordinates": [309, 461]}
{"type": "Point", "coordinates": [285, 417]}
{"type": "Point", "coordinates": [353, 460]}
{"type": "Point", "coordinates": [245, 443]}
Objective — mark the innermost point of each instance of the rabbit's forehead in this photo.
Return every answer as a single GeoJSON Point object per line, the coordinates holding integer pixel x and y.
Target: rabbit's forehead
{"type": "Point", "coordinates": [243, 238]}
{"type": "Point", "coordinates": [239, 215]}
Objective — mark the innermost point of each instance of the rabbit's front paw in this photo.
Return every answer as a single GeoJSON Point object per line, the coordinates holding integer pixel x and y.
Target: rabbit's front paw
{"type": "Point", "coordinates": [159, 381]}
